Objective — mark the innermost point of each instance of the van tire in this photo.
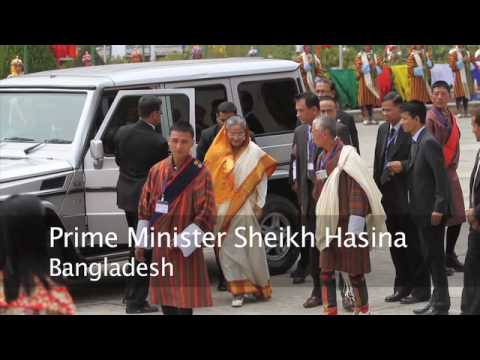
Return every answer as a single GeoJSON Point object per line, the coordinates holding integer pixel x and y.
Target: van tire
{"type": "Point", "coordinates": [281, 211]}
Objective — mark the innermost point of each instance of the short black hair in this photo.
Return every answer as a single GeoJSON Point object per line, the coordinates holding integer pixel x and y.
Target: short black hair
{"type": "Point", "coordinates": [311, 99]}
{"type": "Point", "coordinates": [441, 84]}
{"type": "Point", "coordinates": [227, 107]}
{"type": "Point", "coordinates": [333, 87]}
{"type": "Point", "coordinates": [326, 98]}
{"type": "Point", "coordinates": [148, 104]}
{"type": "Point", "coordinates": [182, 126]}
{"type": "Point", "coordinates": [324, 80]}
{"type": "Point", "coordinates": [415, 108]}
{"type": "Point", "coordinates": [393, 97]}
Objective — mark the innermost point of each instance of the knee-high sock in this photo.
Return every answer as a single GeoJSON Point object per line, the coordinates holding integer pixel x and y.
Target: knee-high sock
{"type": "Point", "coordinates": [329, 292]}
{"type": "Point", "coordinates": [359, 285]}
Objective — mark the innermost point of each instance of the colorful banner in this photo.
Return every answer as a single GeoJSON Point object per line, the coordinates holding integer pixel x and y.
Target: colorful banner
{"type": "Point", "coordinates": [346, 85]}
{"type": "Point", "coordinates": [401, 81]}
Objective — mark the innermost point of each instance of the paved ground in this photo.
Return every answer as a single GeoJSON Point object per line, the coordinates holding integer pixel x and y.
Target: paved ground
{"type": "Point", "coordinates": [105, 296]}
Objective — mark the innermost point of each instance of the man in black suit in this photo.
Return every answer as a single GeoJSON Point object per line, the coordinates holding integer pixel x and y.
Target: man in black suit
{"type": "Point", "coordinates": [326, 87]}
{"type": "Point", "coordinates": [138, 147]}
{"type": "Point", "coordinates": [471, 280]}
{"type": "Point", "coordinates": [393, 144]}
{"type": "Point", "coordinates": [302, 179]}
{"type": "Point", "coordinates": [429, 200]}
{"type": "Point", "coordinates": [328, 107]}
{"type": "Point", "coordinates": [225, 110]}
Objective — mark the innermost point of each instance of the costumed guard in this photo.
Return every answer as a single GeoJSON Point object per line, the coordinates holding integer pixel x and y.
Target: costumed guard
{"type": "Point", "coordinates": [368, 66]}
{"type": "Point", "coordinates": [16, 67]}
{"type": "Point", "coordinates": [419, 65]}
{"type": "Point", "coordinates": [87, 59]}
{"type": "Point", "coordinates": [460, 62]}
{"type": "Point", "coordinates": [136, 57]}
{"type": "Point", "coordinates": [310, 67]}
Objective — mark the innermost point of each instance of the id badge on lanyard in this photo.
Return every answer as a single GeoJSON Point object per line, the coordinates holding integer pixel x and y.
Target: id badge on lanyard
{"type": "Point", "coordinates": [322, 174]}
{"type": "Point", "coordinates": [162, 206]}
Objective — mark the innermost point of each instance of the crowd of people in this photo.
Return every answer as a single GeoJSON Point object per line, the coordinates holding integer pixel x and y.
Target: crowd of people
{"type": "Point", "coordinates": [372, 86]}
{"type": "Point", "coordinates": [414, 190]}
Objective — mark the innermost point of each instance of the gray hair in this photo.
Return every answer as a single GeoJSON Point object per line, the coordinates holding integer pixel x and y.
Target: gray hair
{"type": "Point", "coordinates": [325, 123]}
{"type": "Point", "coordinates": [236, 120]}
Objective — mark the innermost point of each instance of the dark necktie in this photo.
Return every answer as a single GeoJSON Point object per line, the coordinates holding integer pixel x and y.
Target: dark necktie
{"type": "Point", "coordinates": [389, 147]}
{"type": "Point", "coordinates": [413, 153]}
{"type": "Point", "coordinates": [310, 158]}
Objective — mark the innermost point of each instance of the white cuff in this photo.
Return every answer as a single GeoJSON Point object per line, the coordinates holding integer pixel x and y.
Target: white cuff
{"type": "Point", "coordinates": [142, 241]}
{"type": "Point", "coordinates": [356, 224]}
{"type": "Point", "coordinates": [188, 242]}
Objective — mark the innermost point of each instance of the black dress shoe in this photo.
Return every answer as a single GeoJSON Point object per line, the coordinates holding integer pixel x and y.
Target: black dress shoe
{"type": "Point", "coordinates": [222, 286]}
{"type": "Point", "coordinates": [431, 311]}
{"type": "Point", "coordinates": [298, 279]}
{"type": "Point", "coordinates": [411, 299]}
{"type": "Point", "coordinates": [397, 296]}
{"type": "Point", "coordinates": [423, 310]}
{"type": "Point", "coordinates": [298, 273]}
{"type": "Point", "coordinates": [453, 262]}
{"type": "Point", "coordinates": [145, 309]}
{"type": "Point", "coordinates": [313, 301]}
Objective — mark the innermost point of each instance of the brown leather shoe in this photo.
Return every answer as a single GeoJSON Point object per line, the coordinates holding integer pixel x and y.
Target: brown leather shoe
{"type": "Point", "coordinates": [312, 301]}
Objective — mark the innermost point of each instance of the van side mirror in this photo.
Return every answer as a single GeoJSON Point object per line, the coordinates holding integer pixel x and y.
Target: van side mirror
{"type": "Point", "coordinates": [96, 151]}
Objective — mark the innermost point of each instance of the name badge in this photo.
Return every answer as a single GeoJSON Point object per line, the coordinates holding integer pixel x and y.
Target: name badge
{"type": "Point", "coordinates": [310, 166]}
{"type": "Point", "coordinates": [161, 207]}
{"type": "Point", "coordinates": [321, 174]}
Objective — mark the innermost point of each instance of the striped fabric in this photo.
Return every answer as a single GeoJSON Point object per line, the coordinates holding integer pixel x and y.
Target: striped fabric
{"type": "Point", "coordinates": [243, 287]}
{"type": "Point", "coordinates": [452, 61]}
{"type": "Point", "coordinates": [189, 287]}
{"type": "Point", "coordinates": [418, 89]}
{"type": "Point", "coordinates": [365, 96]}
{"type": "Point", "coordinates": [353, 201]}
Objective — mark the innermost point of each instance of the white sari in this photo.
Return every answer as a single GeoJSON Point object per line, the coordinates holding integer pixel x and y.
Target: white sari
{"type": "Point", "coordinates": [240, 263]}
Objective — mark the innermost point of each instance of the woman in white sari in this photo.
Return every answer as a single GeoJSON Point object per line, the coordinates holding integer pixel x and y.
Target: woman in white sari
{"type": "Point", "coordinates": [240, 171]}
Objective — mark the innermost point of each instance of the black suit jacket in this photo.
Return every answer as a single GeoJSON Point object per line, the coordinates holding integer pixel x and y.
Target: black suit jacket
{"type": "Point", "coordinates": [206, 139]}
{"type": "Point", "coordinates": [427, 180]}
{"type": "Point", "coordinates": [137, 148]}
{"type": "Point", "coordinates": [299, 154]}
{"type": "Point", "coordinates": [475, 189]}
{"type": "Point", "coordinates": [343, 133]}
{"type": "Point", "coordinates": [349, 122]}
{"type": "Point", "coordinates": [394, 188]}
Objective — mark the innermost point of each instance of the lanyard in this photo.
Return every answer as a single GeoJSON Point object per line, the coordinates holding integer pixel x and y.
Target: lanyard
{"type": "Point", "coordinates": [324, 161]}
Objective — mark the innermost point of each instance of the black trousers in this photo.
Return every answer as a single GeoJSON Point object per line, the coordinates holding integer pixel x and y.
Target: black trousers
{"type": "Point", "coordinates": [459, 101]}
{"type": "Point", "coordinates": [310, 256]}
{"type": "Point", "coordinates": [221, 277]}
{"type": "Point", "coordinates": [411, 273]}
{"type": "Point", "coordinates": [471, 276]}
{"type": "Point", "coordinates": [171, 310]}
{"type": "Point", "coordinates": [137, 286]}
{"type": "Point", "coordinates": [433, 250]}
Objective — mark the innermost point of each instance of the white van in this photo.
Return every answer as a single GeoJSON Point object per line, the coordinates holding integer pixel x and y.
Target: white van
{"type": "Point", "coordinates": [56, 131]}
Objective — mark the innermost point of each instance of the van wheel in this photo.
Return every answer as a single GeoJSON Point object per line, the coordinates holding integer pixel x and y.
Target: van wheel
{"type": "Point", "coordinates": [280, 213]}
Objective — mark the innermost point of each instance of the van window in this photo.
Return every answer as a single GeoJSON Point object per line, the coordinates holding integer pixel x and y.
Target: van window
{"type": "Point", "coordinates": [268, 105]}
{"type": "Point", "coordinates": [207, 99]}
{"type": "Point", "coordinates": [174, 108]}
